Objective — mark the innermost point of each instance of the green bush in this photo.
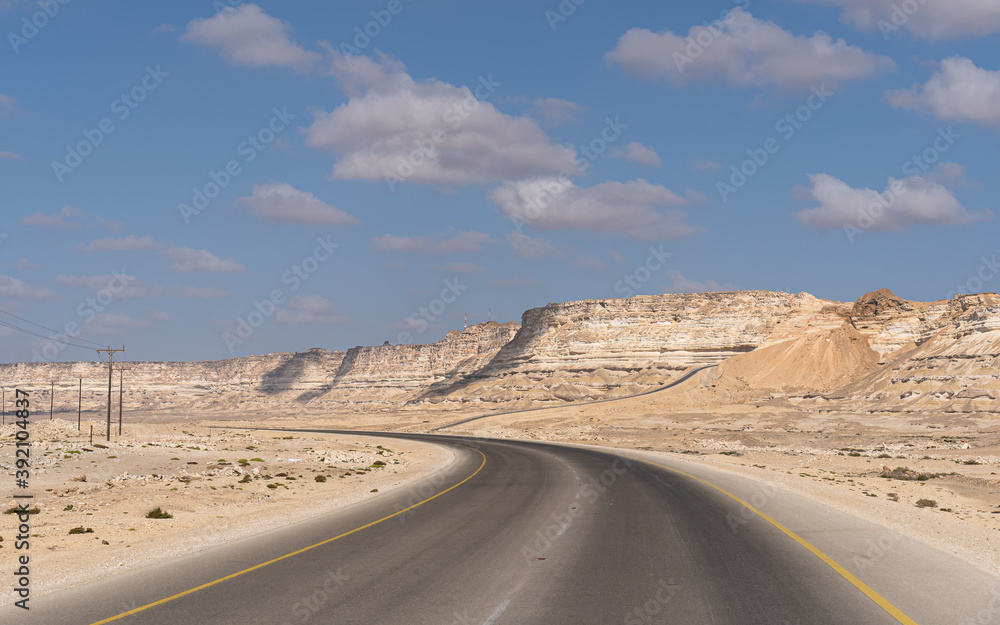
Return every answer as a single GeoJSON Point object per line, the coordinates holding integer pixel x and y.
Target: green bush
{"type": "Point", "coordinates": [81, 530]}
{"type": "Point", "coordinates": [320, 478]}
{"type": "Point", "coordinates": [156, 513]}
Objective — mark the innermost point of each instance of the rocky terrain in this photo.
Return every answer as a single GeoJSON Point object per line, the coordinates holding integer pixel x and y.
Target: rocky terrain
{"type": "Point", "coordinates": [880, 353]}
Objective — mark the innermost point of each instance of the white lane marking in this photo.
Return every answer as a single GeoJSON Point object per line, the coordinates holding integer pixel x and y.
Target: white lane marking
{"type": "Point", "coordinates": [496, 613]}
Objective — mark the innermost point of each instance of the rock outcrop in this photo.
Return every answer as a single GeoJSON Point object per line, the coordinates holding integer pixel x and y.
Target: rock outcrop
{"type": "Point", "coordinates": [881, 353]}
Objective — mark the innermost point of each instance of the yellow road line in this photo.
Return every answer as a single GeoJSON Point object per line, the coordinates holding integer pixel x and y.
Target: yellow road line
{"type": "Point", "coordinates": [294, 553]}
{"type": "Point", "coordinates": [882, 602]}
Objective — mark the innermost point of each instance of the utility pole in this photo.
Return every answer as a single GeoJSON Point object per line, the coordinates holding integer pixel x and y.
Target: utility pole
{"type": "Point", "coordinates": [111, 358]}
{"type": "Point", "coordinates": [79, 406]}
{"type": "Point", "coordinates": [121, 372]}
{"type": "Point", "coordinates": [4, 406]}
{"type": "Point", "coordinates": [52, 397]}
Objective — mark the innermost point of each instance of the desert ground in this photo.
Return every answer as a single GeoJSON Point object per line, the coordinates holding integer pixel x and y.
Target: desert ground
{"type": "Point", "coordinates": [933, 478]}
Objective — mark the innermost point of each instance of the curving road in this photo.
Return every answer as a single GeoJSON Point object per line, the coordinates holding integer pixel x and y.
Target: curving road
{"type": "Point", "coordinates": [521, 533]}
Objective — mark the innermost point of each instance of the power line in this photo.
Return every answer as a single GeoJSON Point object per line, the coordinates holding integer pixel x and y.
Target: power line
{"type": "Point", "coordinates": [42, 336]}
{"type": "Point", "coordinates": [38, 325]}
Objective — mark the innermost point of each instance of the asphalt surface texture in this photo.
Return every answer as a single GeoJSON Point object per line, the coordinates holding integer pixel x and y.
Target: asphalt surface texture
{"type": "Point", "coordinates": [517, 532]}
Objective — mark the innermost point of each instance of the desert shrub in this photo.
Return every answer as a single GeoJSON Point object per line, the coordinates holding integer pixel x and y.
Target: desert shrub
{"type": "Point", "coordinates": [926, 503]}
{"type": "Point", "coordinates": [320, 478]}
{"type": "Point", "coordinates": [82, 530]}
{"type": "Point", "coordinates": [157, 513]}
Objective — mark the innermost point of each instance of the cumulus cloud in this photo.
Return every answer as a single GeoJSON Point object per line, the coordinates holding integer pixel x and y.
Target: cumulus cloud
{"type": "Point", "coordinates": [637, 153]}
{"type": "Point", "coordinates": [182, 259]}
{"type": "Point", "coordinates": [744, 51]}
{"type": "Point", "coordinates": [680, 284]}
{"type": "Point", "coordinates": [280, 202]}
{"type": "Point", "coordinates": [705, 165]}
{"type": "Point", "coordinates": [12, 287]}
{"type": "Point", "coordinates": [912, 200]}
{"type": "Point", "coordinates": [199, 292]}
{"type": "Point", "coordinates": [441, 243]}
{"type": "Point", "coordinates": [530, 248]}
{"type": "Point", "coordinates": [396, 128]}
{"type": "Point", "coordinates": [24, 263]}
{"type": "Point", "coordinates": [931, 19]}
{"type": "Point", "coordinates": [309, 309]}
{"type": "Point", "coordinates": [186, 259]}
{"type": "Point", "coordinates": [112, 324]}
{"type": "Point", "coordinates": [130, 288]}
{"type": "Point", "coordinates": [461, 268]}
{"type": "Point", "coordinates": [69, 217]}
{"type": "Point", "coordinates": [14, 156]}
{"type": "Point", "coordinates": [246, 35]}
{"type": "Point", "coordinates": [632, 208]}
{"type": "Point", "coordinates": [556, 110]}
{"type": "Point", "coordinates": [958, 91]}
{"type": "Point", "coordinates": [112, 244]}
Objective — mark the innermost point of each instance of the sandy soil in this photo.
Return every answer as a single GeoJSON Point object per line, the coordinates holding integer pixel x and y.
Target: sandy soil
{"type": "Point", "coordinates": [218, 485]}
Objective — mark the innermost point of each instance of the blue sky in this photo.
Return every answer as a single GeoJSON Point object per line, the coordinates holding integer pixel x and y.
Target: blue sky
{"type": "Point", "coordinates": [462, 157]}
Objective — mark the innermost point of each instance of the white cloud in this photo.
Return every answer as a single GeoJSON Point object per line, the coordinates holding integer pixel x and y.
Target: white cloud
{"type": "Point", "coordinates": [12, 287]}
{"type": "Point", "coordinates": [958, 91]}
{"type": "Point", "coordinates": [182, 259]}
{"type": "Point", "coordinates": [112, 324]}
{"type": "Point", "coordinates": [680, 284]}
{"type": "Point", "coordinates": [530, 248]}
{"type": "Point", "coordinates": [246, 35]}
{"type": "Point", "coordinates": [905, 202]}
{"type": "Point", "coordinates": [744, 51]}
{"type": "Point", "coordinates": [932, 19]}
{"type": "Point", "coordinates": [130, 288]}
{"type": "Point", "coordinates": [196, 292]}
{"type": "Point", "coordinates": [379, 132]}
{"type": "Point", "coordinates": [462, 268]}
{"type": "Point", "coordinates": [614, 207]}
{"type": "Point", "coordinates": [68, 217]}
{"type": "Point", "coordinates": [442, 243]}
{"type": "Point", "coordinates": [186, 259]}
{"type": "Point", "coordinates": [705, 165]}
{"type": "Point", "coordinates": [637, 153]}
{"type": "Point", "coordinates": [280, 202]}
{"type": "Point", "coordinates": [128, 243]}
{"type": "Point", "coordinates": [24, 263]}
{"type": "Point", "coordinates": [14, 156]}
{"type": "Point", "coordinates": [309, 309]}
{"type": "Point", "coordinates": [556, 110]}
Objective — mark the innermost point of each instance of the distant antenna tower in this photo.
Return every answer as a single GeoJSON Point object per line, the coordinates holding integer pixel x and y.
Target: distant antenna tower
{"type": "Point", "coordinates": [466, 321]}
{"type": "Point", "coordinates": [490, 318]}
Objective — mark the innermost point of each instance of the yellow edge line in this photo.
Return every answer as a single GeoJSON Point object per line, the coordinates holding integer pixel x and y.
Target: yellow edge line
{"type": "Point", "coordinates": [882, 602]}
{"type": "Point", "coordinates": [294, 553]}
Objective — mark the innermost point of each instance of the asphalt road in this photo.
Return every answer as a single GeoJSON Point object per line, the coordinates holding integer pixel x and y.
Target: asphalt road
{"type": "Point", "coordinates": [522, 533]}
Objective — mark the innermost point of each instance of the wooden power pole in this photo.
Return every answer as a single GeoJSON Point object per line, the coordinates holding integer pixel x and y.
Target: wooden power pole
{"type": "Point", "coordinates": [121, 372]}
{"type": "Point", "coordinates": [79, 405]}
{"type": "Point", "coordinates": [52, 397]}
{"type": "Point", "coordinates": [111, 358]}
